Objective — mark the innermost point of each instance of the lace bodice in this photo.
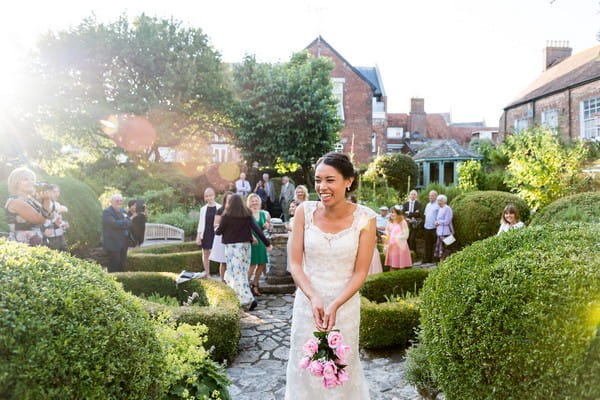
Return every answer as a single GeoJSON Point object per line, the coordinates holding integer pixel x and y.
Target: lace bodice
{"type": "Point", "coordinates": [329, 257]}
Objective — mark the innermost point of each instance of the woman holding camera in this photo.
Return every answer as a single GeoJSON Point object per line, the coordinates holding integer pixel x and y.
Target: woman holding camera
{"type": "Point", "coordinates": [25, 215]}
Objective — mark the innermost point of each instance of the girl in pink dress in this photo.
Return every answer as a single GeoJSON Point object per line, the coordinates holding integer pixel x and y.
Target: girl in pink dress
{"type": "Point", "coordinates": [397, 253]}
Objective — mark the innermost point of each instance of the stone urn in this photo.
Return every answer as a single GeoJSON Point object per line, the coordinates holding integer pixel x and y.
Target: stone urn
{"type": "Point", "coordinates": [279, 280]}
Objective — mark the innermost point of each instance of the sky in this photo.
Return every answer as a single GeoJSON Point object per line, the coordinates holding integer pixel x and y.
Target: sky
{"type": "Point", "coordinates": [466, 57]}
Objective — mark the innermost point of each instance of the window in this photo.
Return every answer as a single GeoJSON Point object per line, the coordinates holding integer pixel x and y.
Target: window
{"type": "Point", "coordinates": [219, 152]}
{"type": "Point", "coordinates": [550, 119]}
{"type": "Point", "coordinates": [338, 92]}
{"type": "Point", "coordinates": [339, 147]}
{"type": "Point", "coordinates": [521, 124]}
{"type": "Point", "coordinates": [590, 119]}
{"type": "Point", "coordinates": [373, 142]}
{"type": "Point", "coordinates": [395, 133]}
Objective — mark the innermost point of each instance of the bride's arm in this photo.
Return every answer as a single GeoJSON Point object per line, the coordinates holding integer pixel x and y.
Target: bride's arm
{"type": "Point", "coordinates": [366, 244]}
{"type": "Point", "coordinates": [296, 256]}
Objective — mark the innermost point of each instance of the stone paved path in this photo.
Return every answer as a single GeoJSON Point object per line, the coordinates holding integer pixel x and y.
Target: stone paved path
{"type": "Point", "coordinates": [258, 372]}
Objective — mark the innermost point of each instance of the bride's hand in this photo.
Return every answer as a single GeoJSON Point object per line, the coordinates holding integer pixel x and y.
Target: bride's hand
{"type": "Point", "coordinates": [317, 310]}
{"type": "Point", "coordinates": [329, 317]}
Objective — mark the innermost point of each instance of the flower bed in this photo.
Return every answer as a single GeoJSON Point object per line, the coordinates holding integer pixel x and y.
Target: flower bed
{"type": "Point", "coordinates": [217, 306]}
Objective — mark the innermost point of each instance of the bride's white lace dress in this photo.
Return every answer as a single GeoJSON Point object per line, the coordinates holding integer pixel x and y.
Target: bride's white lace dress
{"type": "Point", "coordinates": [329, 264]}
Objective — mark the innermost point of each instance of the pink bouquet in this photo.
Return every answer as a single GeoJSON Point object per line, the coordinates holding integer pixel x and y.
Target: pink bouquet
{"type": "Point", "coordinates": [326, 357]}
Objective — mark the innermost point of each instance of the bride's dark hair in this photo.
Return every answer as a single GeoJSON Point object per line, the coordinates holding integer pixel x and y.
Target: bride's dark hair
{"type": "Point", "coordinates": [341, 162]}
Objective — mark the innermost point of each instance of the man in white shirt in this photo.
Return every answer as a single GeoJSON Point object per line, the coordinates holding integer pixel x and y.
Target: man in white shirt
{"type": "Point", "coordinates": [382, 221]}
{"type": "Point", "coordinates": [431, 212]}
{"type": "Point", "coordinates": [242, 186]}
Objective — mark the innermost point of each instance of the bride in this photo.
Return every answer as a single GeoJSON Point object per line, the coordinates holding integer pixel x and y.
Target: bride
{"type": "Point", "coordinates": [334, 240]}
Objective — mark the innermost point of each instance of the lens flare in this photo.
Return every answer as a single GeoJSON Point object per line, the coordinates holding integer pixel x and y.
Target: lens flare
{"type": "Point", "coordinates": [130, 132]}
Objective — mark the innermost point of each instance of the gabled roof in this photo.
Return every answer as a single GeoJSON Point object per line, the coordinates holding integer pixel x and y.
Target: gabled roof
{"type": "Point", "coordinates": [446, 150]}
{"type": "Point", "coordinates": [320, 39]}
{"type": "Point", "coordinates": [572, 71]}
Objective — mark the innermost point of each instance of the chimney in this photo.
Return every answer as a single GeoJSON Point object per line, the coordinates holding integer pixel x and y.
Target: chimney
{"type": "Point", "coordinates": [418, 119]}
{"type": "Point", "coordinates": [555, 52]}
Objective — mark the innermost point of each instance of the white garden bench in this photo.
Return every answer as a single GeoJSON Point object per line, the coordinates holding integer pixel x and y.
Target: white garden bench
{"type": "Point", "coordinates": [163, 233]}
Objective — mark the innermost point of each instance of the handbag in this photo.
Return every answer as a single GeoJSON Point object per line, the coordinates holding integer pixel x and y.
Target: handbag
{"type": "Point", "coordinates": [448, 240]}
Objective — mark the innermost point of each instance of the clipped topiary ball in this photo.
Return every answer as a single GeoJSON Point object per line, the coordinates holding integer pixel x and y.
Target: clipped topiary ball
{"type": "Point", "coordinates": [476, 215]}
{"type": "Point", "coordinates": [517, 316]}
{"type": "Point", "coordinates": [69, 331]}
{"type": "Point", "coordinates": [584, 207]}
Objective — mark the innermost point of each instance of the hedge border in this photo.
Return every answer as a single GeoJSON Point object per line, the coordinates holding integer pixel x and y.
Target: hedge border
{"type": "Point", "coordinates": [390, 324]}
{"type": "Point", "coordinates": [221, 315]}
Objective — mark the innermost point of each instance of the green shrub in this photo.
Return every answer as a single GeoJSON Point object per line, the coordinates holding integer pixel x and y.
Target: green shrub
{"type": "Point", "coordinates": [145, 258]}
{"type": "Point", "coordinates": [179, 218]}
{"type": "Point", "coordinates": [401, 282]}
{"type": "Point", "coordinates": [189, 372]}
{"type": "Point", "coordinates": [389, 324]}
{"type": "Point", "coordinates": [68, 331]}
{"type": "Point", "coordinates": [470, 175]}
{"type": "Point", "coordinates": [495, 180]}
{"type": "Point", "coordinates": [399, 170]}
{"type": "Point", "coordinates": [584, 207]}
{"type": "Point", "coordinates": [418, 372]}
{"type": "Point", "coordinates": [517, 316]}
{"type": "Point", "coordinates": [165, 248]}
{"type": "Point", "coordinates": [220, 312]}
{"type": "Point", "coordinates": [84, 216]}
{"type": "Point", "coordinates": [476, 215]}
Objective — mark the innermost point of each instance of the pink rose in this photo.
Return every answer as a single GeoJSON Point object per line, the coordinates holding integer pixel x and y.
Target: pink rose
{"type": "Point", "coordinates": [315, 368]}
{"type": "Point", "coordinates": [310, 347]}
{"type": "Point", "coordinates": [305, 362]}
{"type": "Point", "coordinates": [343, 376]}
{"type": "Point", "coordinates": [334, 339]}
{"type": "Point", "coordinates": [330, 383]}
{"type": "Point", "coordinates": [329, 370]}
{"type": "Point", "coordinates": [342, 352]}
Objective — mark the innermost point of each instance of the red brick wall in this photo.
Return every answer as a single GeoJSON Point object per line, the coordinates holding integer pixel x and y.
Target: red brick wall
{"type": "Point", "coordinates": [357, 107]}
{"type": "Point", "coordinates": [569, 126]}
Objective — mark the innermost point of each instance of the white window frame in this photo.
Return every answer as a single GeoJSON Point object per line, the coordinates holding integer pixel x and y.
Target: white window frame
{"type": "Point", "coordinates": [521, 124]}
{"type": "Point", "coordinates": [339, 147]}
{"type": "Point", "coordinates": [338, 92]}
{"type": "Point", "coordinates": [549, 119]}
{"type": "Point", "coordinates": [590, 121]}
{"type": "Point", "coordinates": [396, 132]}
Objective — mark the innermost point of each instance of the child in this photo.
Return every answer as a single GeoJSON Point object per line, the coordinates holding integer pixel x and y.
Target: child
{"type": "Point", "coordinates": [397, 253]}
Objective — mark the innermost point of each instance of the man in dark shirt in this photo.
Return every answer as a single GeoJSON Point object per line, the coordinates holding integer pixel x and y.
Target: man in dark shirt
{"type": "Point", "coordinates": [115, 231]}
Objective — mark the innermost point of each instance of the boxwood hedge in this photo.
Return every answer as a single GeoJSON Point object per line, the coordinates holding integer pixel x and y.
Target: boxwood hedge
{"type": "Point", "coordinates": [584, 207]}
{"type": "Point", "coordinates": [517, 316]}
{"type": "Point", "coordinates": [390, 324]}
{"type": "Point", "coordinates": [476, 215]}
{"type": "Point", "coordinates": [166, 258]}
{"type": "Point", "coordinates": [218, 307]}
{"type": "Point", "coordinates": [68, 331]}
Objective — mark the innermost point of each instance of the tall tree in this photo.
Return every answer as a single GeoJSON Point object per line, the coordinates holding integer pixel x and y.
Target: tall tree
{"type": "Point", "coordinates": [156, 69]}
{"type": "Point", "coordinates": [285, 113]}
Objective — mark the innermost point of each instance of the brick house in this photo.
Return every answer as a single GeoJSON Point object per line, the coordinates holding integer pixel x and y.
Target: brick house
{"type": "Point", "coordinates": [565, 97]}
{"type": "Point", "coordinates": [369, 129]}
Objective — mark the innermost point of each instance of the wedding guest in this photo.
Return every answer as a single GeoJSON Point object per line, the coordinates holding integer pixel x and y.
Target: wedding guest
{"type": "Point", "coordinates": [412, 213]}
{"type": "Point", "coordinates": [237, 226]}
{"type": "Point", "coordinates": [444, 227]}
{"type": "Point", "coordinates": [431, 212]}
{"type": "Point", "coordinates": [270, 190]}
{"type": "Point", "coordinates": [206, 226]}
{"type": "Point", "coordinates": [397, 252]}
{"type": "Point", "coordinates": [510, 219]}
{"type": "Point", "coordinates": [287, 194]}
{"type": "Point", "coordinates": [217, 252]}
{"type": "Point", "coordinates": [115, 232]}
{"type": "Point", "coordinates": [25, 215]}
{"type": "Point", "coordinates": [138, 222]}
{"type": "Point", "coordinates": [301, 194]}
{"type": "Point", "coordinates": [289, 226]}
{"type": "Point", "coordinates": [242, 186]}
{"type": "Point", "coordinates": [259, 189]}
{"type": "Point", "coordinates": [332, 247]}
{"type": "Point", "coordinates": [54, 234]}
{"type": "Point", "coordinates": [382, 221]}
{"type": "Point", "coordinates": [258, 253]}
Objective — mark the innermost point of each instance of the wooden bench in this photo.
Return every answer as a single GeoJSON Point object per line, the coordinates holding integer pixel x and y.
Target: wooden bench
{"type": "Point", "coordinates": [162, 233]}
